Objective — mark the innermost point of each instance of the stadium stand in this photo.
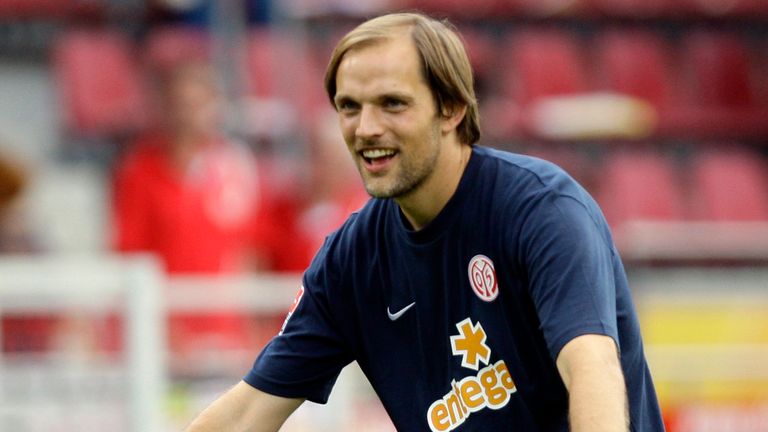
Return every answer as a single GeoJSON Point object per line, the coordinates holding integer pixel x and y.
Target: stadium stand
{"type": "Point", "coordinates": [721, 93]}
{"type": "Point", "coordinates": [640, 185]}
{"type": "Point", "coordinates": [686, 190]}
{"type": "Point", "coordinates": [633, 8]}
{"type": "Point", "coordinates": [167, 46]}
{"type": "Point", "coordinates": [100, 83]}
{"type": "Point", "coordinates": [730, 184]}
{"type": "Point", "coordinates": [479, 9]}
{"type": "Point", "coordinates": [541, 63]}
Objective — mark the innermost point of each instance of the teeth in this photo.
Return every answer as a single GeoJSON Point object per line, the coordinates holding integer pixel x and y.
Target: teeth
{"type": "Point", "coordinates": [378, 153]}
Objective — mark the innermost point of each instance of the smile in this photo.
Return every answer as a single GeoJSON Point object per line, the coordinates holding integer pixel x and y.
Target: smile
{"type": "Point", "coordinates": [377, 157]}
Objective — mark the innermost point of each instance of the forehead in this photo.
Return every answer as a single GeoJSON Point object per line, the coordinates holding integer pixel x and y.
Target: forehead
{"type": "Point", "coordinates": [394, 60]}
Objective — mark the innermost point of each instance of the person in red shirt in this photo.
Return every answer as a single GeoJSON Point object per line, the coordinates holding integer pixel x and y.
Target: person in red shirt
{"type": "Point", "coordinates": [196, 199]}
{"type": "Point", "coordinates": [335, 190]}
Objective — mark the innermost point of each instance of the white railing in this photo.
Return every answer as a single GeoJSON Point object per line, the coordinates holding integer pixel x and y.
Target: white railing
{"type": "Point", "coordinates": [700, 326]}
{"type": "Point", "coordinates": [130, 286]}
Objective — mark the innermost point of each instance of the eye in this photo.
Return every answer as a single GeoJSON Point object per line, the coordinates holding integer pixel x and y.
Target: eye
{"type": "Point", "coordinates": [347, 106]}
{"type": "Point", "coordinates": [392, 103]}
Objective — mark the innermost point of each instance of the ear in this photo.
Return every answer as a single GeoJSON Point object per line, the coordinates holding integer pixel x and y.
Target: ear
{"type": "Point", "coordinates": [451, 118]}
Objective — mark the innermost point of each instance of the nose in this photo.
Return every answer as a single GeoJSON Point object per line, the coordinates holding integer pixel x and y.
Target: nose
{"type": "Point", "coordinates": [369, 123]}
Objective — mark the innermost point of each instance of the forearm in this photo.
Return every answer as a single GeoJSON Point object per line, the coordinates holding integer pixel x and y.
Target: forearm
{"type": "Point", "coordinates": [597, 396]}
{"type": "Point", "coordinates": [244, 408]}
{"type": "Point", "coordinates": [598, 401]}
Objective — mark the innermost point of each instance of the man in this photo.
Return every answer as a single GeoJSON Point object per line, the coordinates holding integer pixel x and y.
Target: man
{"type": "Point", "coordinates": [197, 199]}
{"type": "Point", "coordinates": [478, 290]}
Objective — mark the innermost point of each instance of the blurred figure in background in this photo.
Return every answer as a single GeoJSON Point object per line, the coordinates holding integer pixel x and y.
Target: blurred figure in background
{"type": "Point", "coordinates": [189, 194]}
{"type": "Point", "coordinates": [20, 332]}
{"type": "Point", "coordinates": [185, 191]}
{"type": "Point", "coordinates": [335, 190]}
{"type": "Point", "coordinates": [15, 235]}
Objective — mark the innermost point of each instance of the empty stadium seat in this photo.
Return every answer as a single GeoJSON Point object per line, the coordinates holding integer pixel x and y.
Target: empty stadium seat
{"type": "Point", "coordinates": [50, 8]}
{"type": "Point", "coordinates": [541, 63]}
{"type": "Point", "coordinates": [279, 63]}
{"type": "Point", "coordinates": [640, 185]}
{"type": "Point", "coordinates": [718, 68]}
{"type": "Point", "coordinates": [720, 8]}
{"type": "Point", "coordinates": [730, 185]}
{"type": "Point", "coordinates": [167, 46]}
{"type": "Point", "coordinates": [634, 8]}
{"type": "Point", "coordinates": [721, 96]}
{"type": "Point", "coordinates": [283, 83]}
{"type": "Point", "coordinates": [100, 83]}
{"type": "Point", "coordinates": [460, 8]}
{"type": "Point", "coordinates": [636, 63]}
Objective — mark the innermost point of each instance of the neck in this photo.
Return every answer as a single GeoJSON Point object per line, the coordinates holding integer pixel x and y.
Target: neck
{"type": "Point", "coordinates": [423, 204]}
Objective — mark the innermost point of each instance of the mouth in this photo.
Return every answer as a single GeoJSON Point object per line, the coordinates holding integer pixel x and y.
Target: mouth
{"type": "Point", "coordinates": [375, 158]}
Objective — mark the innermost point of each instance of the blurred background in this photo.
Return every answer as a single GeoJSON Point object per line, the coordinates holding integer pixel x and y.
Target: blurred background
{"type": "Point", "coordinates": [169, 167]}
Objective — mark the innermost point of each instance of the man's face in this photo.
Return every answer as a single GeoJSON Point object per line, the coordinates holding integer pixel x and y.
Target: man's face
{"type": "Point", "coordinates": [388, 116]}
{"type": "Point", "coordinates": [193, 101]}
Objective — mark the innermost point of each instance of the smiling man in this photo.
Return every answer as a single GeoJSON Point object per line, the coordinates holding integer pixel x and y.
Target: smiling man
{"type": "Point", "coordinates": [478, 290]}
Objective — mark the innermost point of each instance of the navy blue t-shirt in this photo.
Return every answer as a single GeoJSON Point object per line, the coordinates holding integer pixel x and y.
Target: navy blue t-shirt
{"type": "Point", "coordinates": [458, 325]}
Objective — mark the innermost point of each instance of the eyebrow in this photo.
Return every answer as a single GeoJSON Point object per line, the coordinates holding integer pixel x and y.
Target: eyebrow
{"type": "Point", "coordinates": [339, 98]}
{"type": "Point", "coordinates": [384, 96]}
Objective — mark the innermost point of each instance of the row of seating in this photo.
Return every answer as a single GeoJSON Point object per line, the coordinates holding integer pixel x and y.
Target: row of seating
{"type": "Point", "coordinates": [722, 183]}
{"type": "Point", "coordinates": [702, 84]}
{"type": "Point", "coordinates": [620, 8]}
{"type": "Point", "coordinates": [479, 8]}
{"type": "Point", "coordinates": [65, 9]}
{"type": "Point", "coordinates": [104, 78]}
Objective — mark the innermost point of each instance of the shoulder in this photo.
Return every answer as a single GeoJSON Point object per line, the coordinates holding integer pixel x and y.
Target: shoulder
{"type": "Point", "coordinates": [523, 170]}
{"type": "Point", "coordinates": [360, 230]}
{"type": "Point", "coordinates": [531, 193]}
{"type": "Point", "coordinates": [353, 243]}
{"type": "Point", "coordinates": [146, 152]}
{"type": "Point", "coordinates": [521, 183]}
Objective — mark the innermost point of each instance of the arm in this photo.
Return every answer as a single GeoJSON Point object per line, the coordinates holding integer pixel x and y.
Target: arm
{"type": "Point", "coordinates": [597, 397]}
{"type": "Point", "coordinates": [244, 408]}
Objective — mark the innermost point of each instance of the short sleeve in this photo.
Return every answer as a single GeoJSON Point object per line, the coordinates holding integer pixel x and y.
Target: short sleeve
{"type": "Point", "coordinates": [305, 359]}
{"type": "Point", "coordinates": [569, 260]}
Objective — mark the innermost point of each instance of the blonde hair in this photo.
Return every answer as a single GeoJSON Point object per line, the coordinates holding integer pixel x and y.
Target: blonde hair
{"type": "Point", "coordinates": [445, 65]}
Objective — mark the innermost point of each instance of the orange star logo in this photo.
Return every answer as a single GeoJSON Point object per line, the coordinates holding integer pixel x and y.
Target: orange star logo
{"type": "Point", "coordinates": [470, 344]}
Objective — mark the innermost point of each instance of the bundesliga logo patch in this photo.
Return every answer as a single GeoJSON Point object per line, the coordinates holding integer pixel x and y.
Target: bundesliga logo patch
{"type": "Point", "coordinates": [293, 307]}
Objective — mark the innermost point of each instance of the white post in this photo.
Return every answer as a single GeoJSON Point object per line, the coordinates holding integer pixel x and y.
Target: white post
{"type": "Point", "coordinates": [145, 344]}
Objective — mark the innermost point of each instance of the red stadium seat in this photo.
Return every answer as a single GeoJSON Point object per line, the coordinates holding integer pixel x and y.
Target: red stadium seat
{"type": "Point", "coordinates": [729, 8]}
{"type": "Point", "coordinates": [718, 66]}
{"type": "Point", "coordinates": [283, 82]}
{"type": "Point", "coordinates": [100, 83]}
{"type": "Point", "coordinates": [634, 8]}
{"type": "Point", "coordinates": [49, 8]}
{"type": "Point", "coordinates": [546, 8]}
{"type": "Point", "coordinates": [460, 8]}
{"type": "Point", "coordinates": [276, 64]}
{"type": "Point", "coordinates": [720, 92]}
{"type": "Point", "coordinates": [640, 185]}
{"type": "Point", "coordinates": [730, 186]}
{"type": "Point", "coordinates": [636, 63]}
{"type": "Point", "coordinates": [166, 47]}
{"type": "Point", "coordinates": [531, 65]}
{"type": "Point", "coordinates": [542, 63]}
{"type": "Point", "coordinates": [641, 64]}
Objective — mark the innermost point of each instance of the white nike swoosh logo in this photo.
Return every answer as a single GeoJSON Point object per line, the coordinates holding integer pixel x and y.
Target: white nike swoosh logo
{"type": "Point", "coordinates": [398, 314]}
